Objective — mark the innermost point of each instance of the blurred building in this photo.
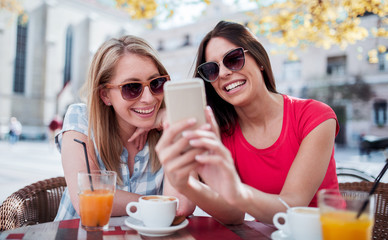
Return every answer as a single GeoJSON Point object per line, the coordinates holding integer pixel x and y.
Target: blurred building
{"type": "Point", "coordinates": [44, 62]}
{"type": "Point", "coordinates": [352, 81]}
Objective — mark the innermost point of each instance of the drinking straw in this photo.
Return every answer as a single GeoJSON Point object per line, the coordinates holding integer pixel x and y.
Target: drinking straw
{"type": "Point", "coordinates": [87, 162]}
{"type": "Point", "coordinates": [377, 181]}
{"type": "Point", "coordinates": [284, 203]}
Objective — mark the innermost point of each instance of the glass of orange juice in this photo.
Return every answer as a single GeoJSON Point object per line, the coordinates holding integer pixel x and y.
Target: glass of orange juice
{"type": "Point", "coordinates": [338, 215]}
{"type": "Point", "coordinates": [96, 192]}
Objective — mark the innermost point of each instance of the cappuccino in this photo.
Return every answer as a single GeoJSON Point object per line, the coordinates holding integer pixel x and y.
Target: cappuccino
{"type": "Point", "coordinates": [155, 211]}
{"type": "Point", "coordinates": [300, 223]}
{"type": "Point", "coordinates": [159, 198]}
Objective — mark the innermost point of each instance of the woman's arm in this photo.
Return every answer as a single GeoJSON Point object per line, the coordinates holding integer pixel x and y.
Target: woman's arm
{"type": "Point", "coordinates": [304, 178]}
{"type": "Point", "coordinates": [310, 165]}
{"type": "Point", "coordinates": [73, 161]}
{"type": "Point", "coordinates": [186, 207]}
{"type": "Point", "coordinates": [181, 171]}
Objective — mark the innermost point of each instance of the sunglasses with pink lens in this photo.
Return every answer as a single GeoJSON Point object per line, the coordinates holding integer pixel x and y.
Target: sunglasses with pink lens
{"type": "Point", "coordinates": [134, 89]}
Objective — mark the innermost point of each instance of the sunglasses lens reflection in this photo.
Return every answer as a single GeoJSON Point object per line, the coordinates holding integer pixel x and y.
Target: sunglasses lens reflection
{"type": "Point", "coordinates": [209, 71]}
{"type": "Point", "coordinates": [131, 90]}
{"type": "Point", "coordinates": [234, 61]}
{"type": "Point", "coordinates": [157, 85]}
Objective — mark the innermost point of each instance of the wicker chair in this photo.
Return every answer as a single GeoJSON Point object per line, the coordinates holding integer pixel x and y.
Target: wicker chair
{"type": "Point", "coordinates": [380, 229]}
{"type": "Point", "coordinates": [33, 204]}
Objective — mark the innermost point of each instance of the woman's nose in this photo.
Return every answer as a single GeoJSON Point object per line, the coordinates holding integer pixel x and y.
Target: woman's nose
{"type": "Point", "coordinates": [147, 95]}
{"type": "Point", "coordinates": [224, 71]}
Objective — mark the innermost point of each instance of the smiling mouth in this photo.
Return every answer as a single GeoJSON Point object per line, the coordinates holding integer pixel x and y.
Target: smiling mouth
{"type": "Point", "coordinates": [234, 85]}
{"type": "Point", "coordinates": [144, 111]}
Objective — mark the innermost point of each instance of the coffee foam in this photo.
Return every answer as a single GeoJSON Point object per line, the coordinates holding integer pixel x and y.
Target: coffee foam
{"type": "Point", "coordinates": [306, 211]}
{"type": "Point", "coordinates": [158, 198]}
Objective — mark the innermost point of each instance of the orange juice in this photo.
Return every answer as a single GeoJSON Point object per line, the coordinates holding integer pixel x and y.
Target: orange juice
{"type": "Point", "coordinates": [95, 207]}
{"type": "Point", "coordinates": [343, 225]}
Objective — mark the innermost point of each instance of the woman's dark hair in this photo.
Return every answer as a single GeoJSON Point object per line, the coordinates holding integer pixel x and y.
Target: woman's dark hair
{"type": "Point", "coordinates": [239, 35]}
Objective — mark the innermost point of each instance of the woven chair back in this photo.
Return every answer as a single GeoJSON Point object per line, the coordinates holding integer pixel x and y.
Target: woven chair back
{"type": "Point", "coordinates": [33, 204]}
{"type": "Point", "coordinates": [380, 229]}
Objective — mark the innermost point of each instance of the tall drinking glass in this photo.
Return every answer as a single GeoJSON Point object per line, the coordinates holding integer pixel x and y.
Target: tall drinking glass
{"type": "Point", "coordinates": [338, 214]}
{"type": "Point", "coordinates": [96, 191]}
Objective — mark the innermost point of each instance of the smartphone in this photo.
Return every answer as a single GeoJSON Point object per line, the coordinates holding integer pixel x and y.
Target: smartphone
{"type": "Point", "coordinates": [185, 99]}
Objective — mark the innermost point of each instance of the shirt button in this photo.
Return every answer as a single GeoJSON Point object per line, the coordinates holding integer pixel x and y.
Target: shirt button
{"type": "Point", "coordinates": [135, 169]}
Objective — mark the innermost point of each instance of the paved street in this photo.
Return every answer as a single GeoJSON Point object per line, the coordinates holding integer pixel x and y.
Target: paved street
{"type": "Point", "coordinates": [25, 163]}
{"type": "Point", "coordinates": [29, 162]}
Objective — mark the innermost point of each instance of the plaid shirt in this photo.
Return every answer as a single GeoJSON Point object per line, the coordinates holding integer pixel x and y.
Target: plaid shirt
{"type": "Point", "coordinates": [142, 181]}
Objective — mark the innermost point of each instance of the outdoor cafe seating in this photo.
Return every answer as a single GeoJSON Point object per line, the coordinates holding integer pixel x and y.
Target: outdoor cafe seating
{"type": "Point", "coordinates": [33, 204]}
{"type": "Point", "coordinates": [38, 203]}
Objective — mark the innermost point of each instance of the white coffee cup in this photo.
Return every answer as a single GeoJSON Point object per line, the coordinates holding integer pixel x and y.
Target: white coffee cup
{"type": "Point", "coordinates": [301, 223]}
{"type": "Point", "coordinates": [155, 211]}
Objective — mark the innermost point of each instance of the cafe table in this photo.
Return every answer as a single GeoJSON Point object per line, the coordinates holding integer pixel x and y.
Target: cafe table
{"type": "Point", "coordinates": [199, 227]}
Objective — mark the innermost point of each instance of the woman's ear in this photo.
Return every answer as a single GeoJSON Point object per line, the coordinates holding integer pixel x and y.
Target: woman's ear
{"type": "Point", "coordinates": [104, 96]}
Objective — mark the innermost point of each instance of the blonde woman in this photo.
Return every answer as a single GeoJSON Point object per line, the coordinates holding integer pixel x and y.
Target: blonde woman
{"type": "Point", "coordinates": [124, 91]}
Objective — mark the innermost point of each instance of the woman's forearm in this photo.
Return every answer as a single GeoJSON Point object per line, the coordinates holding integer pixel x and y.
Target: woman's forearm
{"type": "Point", "coordinates": [121, 199]}
{"type": "Point", "coordinates": [186, 207]}
{"type": "Point", "coordinates": [212, 203]}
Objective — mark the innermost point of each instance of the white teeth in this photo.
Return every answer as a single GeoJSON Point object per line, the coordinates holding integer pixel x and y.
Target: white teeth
{"type": "Point", "coordinates": [234, 85]}
{"type": "Point", "coordinates": [143, 111]}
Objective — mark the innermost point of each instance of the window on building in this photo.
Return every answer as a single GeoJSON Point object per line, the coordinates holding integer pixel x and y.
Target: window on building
{"type": "Point", "coordinates": [20, 60]}
{"type": "Point", "coordinates": [383, 61]}
{"type": "Point", "coordinates": [380, 112]}
{"type": "Point", "coordinates": [68, 55]}
{"type": "Point", "coordinates": [336, 66]}
{"type": "Point", "coordinates": [291, 70]}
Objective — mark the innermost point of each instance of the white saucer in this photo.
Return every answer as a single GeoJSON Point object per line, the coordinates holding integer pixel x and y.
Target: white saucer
{"type": "Point", "coordinates": [153, 232]}
{"type": "Point", "coordinates": [280, 235]}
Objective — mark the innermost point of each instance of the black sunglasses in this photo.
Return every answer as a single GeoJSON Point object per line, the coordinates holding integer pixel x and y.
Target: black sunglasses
{"type": "Point", "coordinates": [134, 89]}
{"type": "Point", "coordinates": [233, 60]}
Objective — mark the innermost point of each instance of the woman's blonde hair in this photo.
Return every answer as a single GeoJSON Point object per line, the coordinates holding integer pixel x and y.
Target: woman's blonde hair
{"type": "Point", "coordinates": [102, 118]}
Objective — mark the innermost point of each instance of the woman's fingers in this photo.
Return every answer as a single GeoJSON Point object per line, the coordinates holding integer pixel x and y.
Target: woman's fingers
{"type": "Point", "coordinates": [209, 159]}
{"type": "Point", "coordinates": [170, 133]}
{"type": "Point", "coordinates": [142, 141]}
{"type": "Point", "coordinates": [212, 121]}
{"type": "Point", "coordinates": [168, 152]}
{"type": "Point", "coordinates": [178, 169]}
{"type": "Point", "coordinates": [160, 119]}
{"type": "Point", "coordinates": [187, 158]}
{"type": "Point", "coordinates": [170, 149]}
{"type": "Point", "coordinates": [138, 133]}
{"type": "Point", "coordinates": [139, 138]}
{"type": "Point", "coordinates": [206, 143]}
{"type": "Point", "coordinates": [200, 133]}
{"type": "Point", "coordinates": [205, 140]}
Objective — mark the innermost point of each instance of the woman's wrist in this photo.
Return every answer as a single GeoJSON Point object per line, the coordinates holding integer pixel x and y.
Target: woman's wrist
{"type": "Point", "coordinates": [243, 197]}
